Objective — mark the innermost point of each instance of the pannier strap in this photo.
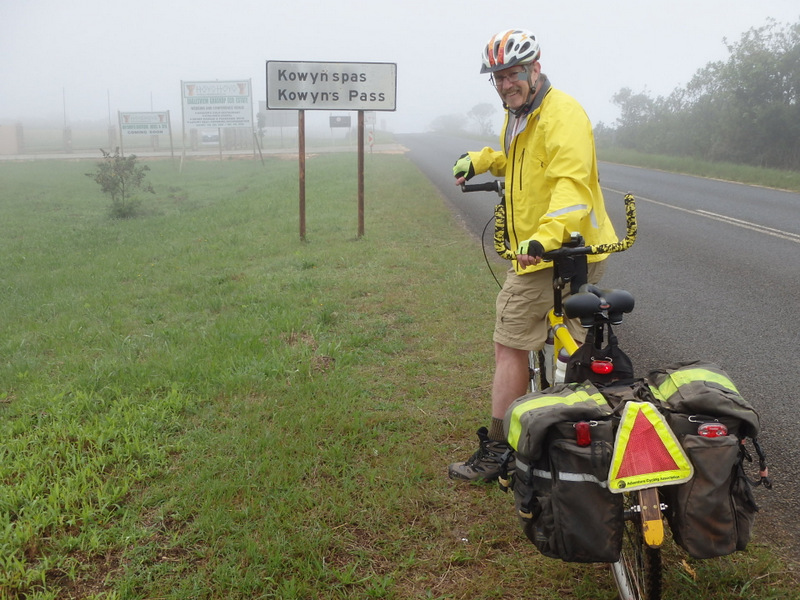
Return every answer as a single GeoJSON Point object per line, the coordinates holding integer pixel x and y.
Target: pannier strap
{"type": "Point", "coordinates": [763, 470]}
{"type": "Point", "coordinates": [504, 479]}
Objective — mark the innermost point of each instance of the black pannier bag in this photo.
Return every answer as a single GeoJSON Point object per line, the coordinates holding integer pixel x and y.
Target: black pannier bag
{"type": "Point", "coordinates": [579, 366]}
{"type": "Point", "coordinates": [712, 514]}
{"type": "Point", "coordinates": [560, 487]}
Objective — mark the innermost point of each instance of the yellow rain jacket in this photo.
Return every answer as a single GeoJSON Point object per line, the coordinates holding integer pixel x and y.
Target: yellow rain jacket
{"type": "Point", "coordinates": [551, 178]}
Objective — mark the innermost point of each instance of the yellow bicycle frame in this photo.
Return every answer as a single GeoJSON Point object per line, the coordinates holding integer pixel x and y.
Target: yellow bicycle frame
{"type": "Point", "coordinates": [561, 335]}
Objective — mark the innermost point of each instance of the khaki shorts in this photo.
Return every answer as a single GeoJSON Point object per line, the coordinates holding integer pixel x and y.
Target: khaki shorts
{"type": "Point", "coordinates": [523, 304]}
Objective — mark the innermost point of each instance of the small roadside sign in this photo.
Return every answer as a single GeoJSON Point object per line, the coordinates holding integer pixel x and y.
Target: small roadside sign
{"type": "Point", "coordinates": [340, 122]}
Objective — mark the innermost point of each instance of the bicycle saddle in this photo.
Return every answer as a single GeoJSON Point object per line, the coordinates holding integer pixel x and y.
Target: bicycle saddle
{"type": "Point", "coordinates": [591, 301]}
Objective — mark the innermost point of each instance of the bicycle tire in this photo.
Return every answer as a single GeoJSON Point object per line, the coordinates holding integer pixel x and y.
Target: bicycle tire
{"type": "Point", "coordinates": [637, 573]}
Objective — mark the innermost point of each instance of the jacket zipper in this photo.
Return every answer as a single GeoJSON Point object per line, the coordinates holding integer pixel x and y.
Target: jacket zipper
{"type": "Point", "coordinates": [510, 221]}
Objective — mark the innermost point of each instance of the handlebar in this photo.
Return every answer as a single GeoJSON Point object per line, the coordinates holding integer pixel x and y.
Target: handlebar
{"type": "Point", "coordinates": [631, 229]}
{"type": "Point", "coordinates": [576, 249]}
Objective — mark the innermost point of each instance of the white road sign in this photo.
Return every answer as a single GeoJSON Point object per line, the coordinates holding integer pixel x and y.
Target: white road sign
{"type": "Point", "coordinates": [331, 86]}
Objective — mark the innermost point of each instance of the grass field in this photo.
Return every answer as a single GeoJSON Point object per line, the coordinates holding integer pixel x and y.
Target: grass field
{"type": "Point", "coordinates": [195, 404]}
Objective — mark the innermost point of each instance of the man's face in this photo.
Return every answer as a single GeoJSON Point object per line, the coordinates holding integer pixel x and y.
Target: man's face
{"type": "Point", "coordinates": [512, 85]}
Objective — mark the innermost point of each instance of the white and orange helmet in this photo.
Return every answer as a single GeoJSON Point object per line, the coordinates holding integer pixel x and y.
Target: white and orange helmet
{"type": "Point", "coordinates": [509, 48]}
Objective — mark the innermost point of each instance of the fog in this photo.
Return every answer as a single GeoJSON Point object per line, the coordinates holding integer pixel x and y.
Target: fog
{"type": "Point", "coordinates": [84, 60]}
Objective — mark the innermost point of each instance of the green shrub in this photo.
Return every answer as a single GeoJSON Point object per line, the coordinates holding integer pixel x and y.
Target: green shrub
{"type": "Point", "coordinates": [120, 178]}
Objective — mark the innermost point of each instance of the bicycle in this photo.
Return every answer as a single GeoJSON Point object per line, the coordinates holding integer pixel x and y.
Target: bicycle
{"type": "Point", "coordinates": [637, 573]}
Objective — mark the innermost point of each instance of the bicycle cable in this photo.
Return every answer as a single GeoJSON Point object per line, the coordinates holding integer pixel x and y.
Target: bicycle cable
{"type": "Point", "coordinates": [485, 256]}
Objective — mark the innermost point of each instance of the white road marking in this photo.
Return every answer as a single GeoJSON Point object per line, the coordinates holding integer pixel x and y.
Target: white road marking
{"type": "Point", "coordinates": [778, 233]}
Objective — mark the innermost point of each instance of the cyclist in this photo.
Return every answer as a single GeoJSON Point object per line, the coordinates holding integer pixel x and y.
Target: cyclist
{"type": "Point", "coordinates": [552, 189]}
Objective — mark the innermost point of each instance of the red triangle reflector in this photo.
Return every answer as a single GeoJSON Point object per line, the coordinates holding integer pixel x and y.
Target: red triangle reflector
{"type": "Point", "coordinates": [646, 451]}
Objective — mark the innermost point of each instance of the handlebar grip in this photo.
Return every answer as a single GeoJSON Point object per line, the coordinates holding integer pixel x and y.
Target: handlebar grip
{"type": "Point", "coordinates": [489, 186]}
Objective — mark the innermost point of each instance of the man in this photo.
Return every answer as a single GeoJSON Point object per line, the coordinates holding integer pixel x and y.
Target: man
{"type": "Point", "coordinates": [552, 190]}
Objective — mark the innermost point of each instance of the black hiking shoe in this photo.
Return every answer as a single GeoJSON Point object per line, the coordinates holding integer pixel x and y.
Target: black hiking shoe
{"type": "Point", "coordinates": [493, 458]}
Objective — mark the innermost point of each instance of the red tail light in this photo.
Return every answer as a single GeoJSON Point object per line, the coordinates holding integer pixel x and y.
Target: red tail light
{"type": "Point", "coordinates": [712, 430]}
{"type": "Point", "coordinates": [602, 367]}
{"type": "Point", "coordinates": [583, 433]}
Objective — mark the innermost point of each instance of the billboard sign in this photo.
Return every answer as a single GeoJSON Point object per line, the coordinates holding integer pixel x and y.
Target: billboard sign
{"type": "Point", "coordinates": [208, 104]}
{"type": "Point", "coordinates": [331, 86]}
{"type": "Point", "coordinates": [144, 123]}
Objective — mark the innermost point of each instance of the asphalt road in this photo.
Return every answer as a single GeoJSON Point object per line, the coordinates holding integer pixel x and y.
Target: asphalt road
{"type": "Point", "coordinates": [715, 273]}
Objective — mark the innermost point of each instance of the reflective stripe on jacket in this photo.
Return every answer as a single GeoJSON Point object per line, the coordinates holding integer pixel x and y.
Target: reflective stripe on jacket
{"type": "Point", "coordinates": [552, 184]}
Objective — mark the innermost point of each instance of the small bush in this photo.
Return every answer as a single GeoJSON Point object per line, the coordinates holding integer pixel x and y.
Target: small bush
{"type": "Point", "coordinates": [120, 178]}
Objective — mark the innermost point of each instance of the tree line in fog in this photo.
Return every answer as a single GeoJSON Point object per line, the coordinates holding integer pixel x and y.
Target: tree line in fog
{"type": "Point", "coordinates": [745, 109]}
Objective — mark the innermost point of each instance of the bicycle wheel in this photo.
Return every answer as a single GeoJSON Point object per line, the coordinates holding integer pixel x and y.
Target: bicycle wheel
{"type": "Point", "coordinates": [637, 573]}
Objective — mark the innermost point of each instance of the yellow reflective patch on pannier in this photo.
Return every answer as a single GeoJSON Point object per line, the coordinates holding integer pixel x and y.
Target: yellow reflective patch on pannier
{"type": "Point", "coordinates": [682, 377]}
{"type": "Point", "coordinates": [543, 401]}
